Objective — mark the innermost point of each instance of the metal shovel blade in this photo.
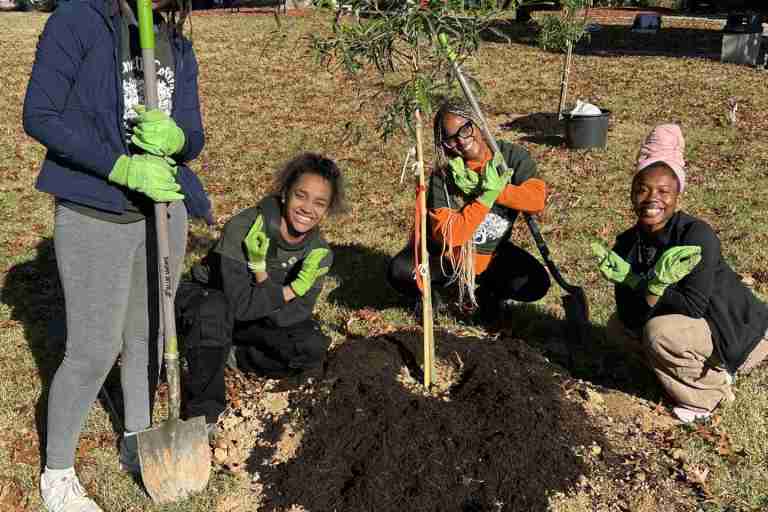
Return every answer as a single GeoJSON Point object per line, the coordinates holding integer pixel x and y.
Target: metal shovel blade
{"type": "Point", "coordinates": [175, 459]}
{"type": "Point", "coordinates": [576, 322]}
{"type": "Point", "coordinates": [576, 310]}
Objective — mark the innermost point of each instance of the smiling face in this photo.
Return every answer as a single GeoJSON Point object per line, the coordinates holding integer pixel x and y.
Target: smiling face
{"type": "Point", "coordinates": [655, 191]}
{"type": "Point", "coordinates": [462, 138]}
{"type": "Point", "coordinates": [305, 205]}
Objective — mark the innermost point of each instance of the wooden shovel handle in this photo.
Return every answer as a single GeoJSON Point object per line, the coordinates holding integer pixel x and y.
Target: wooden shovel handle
{"type": "Point", "coordinates": [171, 348]}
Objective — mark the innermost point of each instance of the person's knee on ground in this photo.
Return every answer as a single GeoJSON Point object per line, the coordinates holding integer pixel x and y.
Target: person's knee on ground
{"type": "Point", "coordinates": [679, 350]}
{"type": "Point", "coordinates": [400, 273]}
{"type": "Point", "coordinates": [516, 274]}
{"type": "Point", "coordinates": [207, 343]}
{"type": "Point", "coordinates": [513, 275]}
{"type": "Point", "coordinates": [278, 352]}
{"type": "Point", "coordinates": [400, 276]}
{"type": "Point", "coordinates": [311, 347]}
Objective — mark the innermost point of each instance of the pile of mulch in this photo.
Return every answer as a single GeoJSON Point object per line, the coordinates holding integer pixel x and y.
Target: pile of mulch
{"type": "Point", "coordinates": [497, 432]}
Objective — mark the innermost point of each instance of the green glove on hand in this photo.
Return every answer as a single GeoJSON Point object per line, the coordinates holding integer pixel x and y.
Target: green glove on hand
{"type": "Point", "coordinates": [613, 267]}
{"type": "Point", "coordinates": [310, 271]}
{"type": "Point", "coordinates": [256, 246]}
{"type": "Point", "coordinates": [673, 265]}
{"type": "Point", "coordinates": [493, 183]}
{"type": "Point", "coordinates": [148, 174]}
{"type": "Point", "coordinates": [466, 179]}
{"type": "Point", "coordinates": [156, 133]}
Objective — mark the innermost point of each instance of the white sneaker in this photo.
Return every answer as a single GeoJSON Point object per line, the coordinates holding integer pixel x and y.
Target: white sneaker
{"type": "Point", "coordinates": [61, 492]}
{"type": "Point", "coordinates": [687, 415]}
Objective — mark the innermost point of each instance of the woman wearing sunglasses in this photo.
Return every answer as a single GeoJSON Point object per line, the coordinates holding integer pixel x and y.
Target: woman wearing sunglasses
{"type": "Point", "coordinates": [472, 206]}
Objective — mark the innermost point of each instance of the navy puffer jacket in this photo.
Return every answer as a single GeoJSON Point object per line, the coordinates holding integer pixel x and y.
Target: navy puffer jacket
{"type": "Point", "coordinates": [74, 107]}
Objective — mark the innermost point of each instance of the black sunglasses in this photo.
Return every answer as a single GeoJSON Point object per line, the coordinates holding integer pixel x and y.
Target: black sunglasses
{"type": "Point", "coordinates": [464, 133]}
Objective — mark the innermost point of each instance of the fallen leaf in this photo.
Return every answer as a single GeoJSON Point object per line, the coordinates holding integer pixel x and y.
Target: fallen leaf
{"type": "Point", "coordinates": [220, 455]}
{"type": "Point", "coordinates": [696, 474]}
{"type": "Point", "coordinates": [12, 496]}
{"type": "Point", "coordinates": [26, 449]}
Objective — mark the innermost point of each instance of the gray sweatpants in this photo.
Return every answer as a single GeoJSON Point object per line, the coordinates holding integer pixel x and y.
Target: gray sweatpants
{"type": "Point", "coordinates": [103, 271]}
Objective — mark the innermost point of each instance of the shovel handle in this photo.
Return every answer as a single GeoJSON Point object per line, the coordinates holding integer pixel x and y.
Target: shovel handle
{"type": "Point", "coordinates": [170, 345]}
{"type": "Point", "coordinates": [443, 39]}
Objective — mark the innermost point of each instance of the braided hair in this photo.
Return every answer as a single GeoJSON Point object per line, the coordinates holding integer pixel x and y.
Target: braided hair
{"type": "Point", "coordinates": [461, 259]}
{"type": "Point", "coordinates": [458, 107]}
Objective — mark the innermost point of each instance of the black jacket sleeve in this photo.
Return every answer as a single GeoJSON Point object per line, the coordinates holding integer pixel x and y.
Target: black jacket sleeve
{"type": "Point", "coordinates": [50, 115]}
{"type": "Point", "coordinates": [248, 299]}
{"type": "Point", "coordinates": [519, 160]}
{"type": "Point", "coordinates": [299, 309]}
{"type": "Point", "coordinates": [187, 110]}
{"type": "Point", "coordinates": [631, 306]}
{"type": "Point", "coordinates": [690, 296]}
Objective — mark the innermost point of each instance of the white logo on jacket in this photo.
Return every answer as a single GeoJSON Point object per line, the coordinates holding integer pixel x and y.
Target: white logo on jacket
{"type": "Point", "coordinates": [492, 228]}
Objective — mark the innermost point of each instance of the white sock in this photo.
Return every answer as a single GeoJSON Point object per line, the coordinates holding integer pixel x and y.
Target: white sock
{"type": "Point", "coordinates": [58, 473]}
{"type": "Point", "coordinates": [53, 475]}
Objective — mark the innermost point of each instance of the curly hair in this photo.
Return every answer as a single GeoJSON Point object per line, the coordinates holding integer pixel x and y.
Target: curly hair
{"type": "Point", "coordinates": [287, 176]}
{"type": "Point", "coordinates": [462, 259]}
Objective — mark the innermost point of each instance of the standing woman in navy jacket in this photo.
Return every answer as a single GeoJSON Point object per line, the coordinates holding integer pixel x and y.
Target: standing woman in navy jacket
{"type": "Point", "coordinates": [108, 161]}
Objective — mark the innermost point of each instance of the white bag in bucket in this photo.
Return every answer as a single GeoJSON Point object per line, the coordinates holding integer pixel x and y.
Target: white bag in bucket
{"type": "Point", "coordinates": [583, 108]}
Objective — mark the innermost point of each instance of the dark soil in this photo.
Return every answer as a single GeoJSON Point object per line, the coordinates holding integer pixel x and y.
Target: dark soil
{"type": "Point", "coordinates": [498, 433]}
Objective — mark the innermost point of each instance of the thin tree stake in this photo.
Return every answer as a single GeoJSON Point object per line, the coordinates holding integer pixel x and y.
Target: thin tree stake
{"type": "Point", "coordinates": [429, 338]}
{"type": "Point", "coordinates": [564, 81]}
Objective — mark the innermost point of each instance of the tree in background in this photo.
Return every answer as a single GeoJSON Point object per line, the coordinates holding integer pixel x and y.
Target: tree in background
{"type": "Point", "coordinates": [560, 33]}
{"type": "Point", "coordinates": [399, 40]}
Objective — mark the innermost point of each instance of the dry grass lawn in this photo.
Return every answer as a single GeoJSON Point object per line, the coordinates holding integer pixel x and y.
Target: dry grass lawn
{"type": "Point", "coordinates": [264, 99]}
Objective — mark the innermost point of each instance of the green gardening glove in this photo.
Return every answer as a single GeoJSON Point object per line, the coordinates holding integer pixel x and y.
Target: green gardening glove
{"type": "Point", "coordinates": [613, 267]}
{"type": "Point", "coordinates": [310, 271]}
{"type": "Point", "coordinates": [466, 179]}
{"type": "Point", "coordinates": [672, 266]}
{"type": "Point", "coordinates": [256, 246]}
{"type": "Point", "coordinates": [151, 175]}
{"type": "Point", "coordinates": [493, 183]}
{"type": "Point", "coordinates": [155, 132]}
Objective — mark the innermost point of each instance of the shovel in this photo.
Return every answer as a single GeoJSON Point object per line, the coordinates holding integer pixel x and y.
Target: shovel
{"type": "Point", "coordinates": [575, 301]}
{"type": "Point", "coordinates": [175, 457]}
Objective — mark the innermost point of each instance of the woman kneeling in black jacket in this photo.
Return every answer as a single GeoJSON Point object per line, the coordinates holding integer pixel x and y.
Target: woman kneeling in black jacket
{"type": "Point", "coordinates": [677, 300]}
{"type": "Point", "coordinates": [257, 287]}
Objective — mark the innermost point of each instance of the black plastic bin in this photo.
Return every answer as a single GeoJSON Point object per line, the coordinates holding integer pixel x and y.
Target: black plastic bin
{"type": "Point", "coordinates": [587, 131]}
{"type": "Point", "coordinates": [743, 40]}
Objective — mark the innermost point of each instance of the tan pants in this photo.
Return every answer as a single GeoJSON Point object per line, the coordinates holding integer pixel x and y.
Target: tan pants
{"type": "Point", "coordinates": [679, 350]}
